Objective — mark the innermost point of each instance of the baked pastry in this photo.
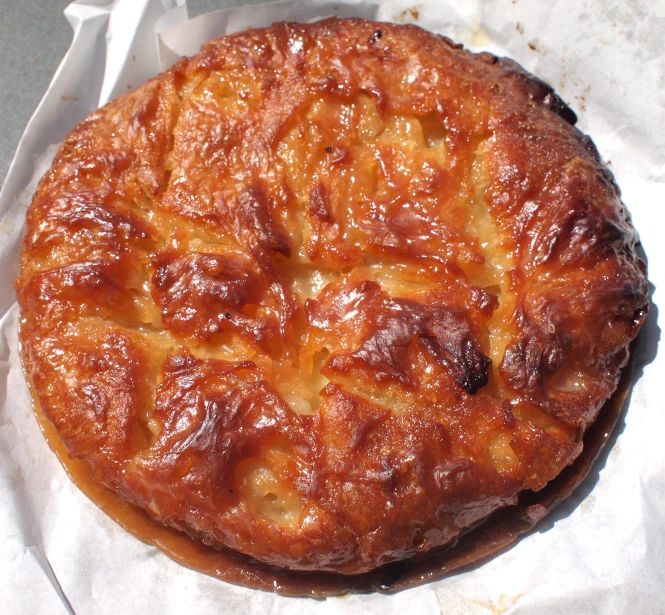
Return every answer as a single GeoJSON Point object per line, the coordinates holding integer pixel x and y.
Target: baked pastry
{"type": "Point", "coordinates": [328, 294]}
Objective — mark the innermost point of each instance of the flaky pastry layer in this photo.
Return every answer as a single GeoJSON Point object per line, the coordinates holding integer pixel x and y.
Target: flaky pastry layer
{"type": "Point", "coordinates": [328, 294]}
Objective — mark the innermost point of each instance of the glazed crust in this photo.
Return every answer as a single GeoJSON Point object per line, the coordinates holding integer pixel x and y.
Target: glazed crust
{"type": "Point", "coordinates": [328, 294]}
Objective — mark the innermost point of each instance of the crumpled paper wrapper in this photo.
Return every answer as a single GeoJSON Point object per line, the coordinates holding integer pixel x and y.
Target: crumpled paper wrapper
{"type": "Point", "coordinates": [600, 552]}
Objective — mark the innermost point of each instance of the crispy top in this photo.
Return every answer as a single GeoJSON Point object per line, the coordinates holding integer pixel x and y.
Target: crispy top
{"type": "Point", "coordinates": [328, 294]}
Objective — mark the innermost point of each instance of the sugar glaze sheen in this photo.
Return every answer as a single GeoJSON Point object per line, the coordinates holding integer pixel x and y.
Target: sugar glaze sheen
{"type": "Point", "coordinates": [328, 294]}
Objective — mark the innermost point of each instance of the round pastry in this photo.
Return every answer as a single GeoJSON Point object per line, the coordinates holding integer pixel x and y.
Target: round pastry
{"type": "Point", "coordinates": [328, 294]}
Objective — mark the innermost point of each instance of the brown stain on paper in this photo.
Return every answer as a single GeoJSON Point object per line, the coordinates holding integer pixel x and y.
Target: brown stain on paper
{"type": "Point", "coordinates": [411, 14]}
{"type": "Point", "coordinates": [496, 608]}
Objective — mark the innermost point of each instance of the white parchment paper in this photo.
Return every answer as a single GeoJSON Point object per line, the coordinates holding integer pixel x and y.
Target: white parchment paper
{"type": "Point", "coordinates": [602, 552]}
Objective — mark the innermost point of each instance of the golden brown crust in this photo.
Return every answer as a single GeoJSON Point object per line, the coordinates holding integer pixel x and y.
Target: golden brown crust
{"type": "Point", "coordinates": [328, 294]}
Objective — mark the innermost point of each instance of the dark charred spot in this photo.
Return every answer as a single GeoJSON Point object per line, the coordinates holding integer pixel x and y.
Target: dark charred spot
{"type": "Point", "coordinates": [540, 91]}
{"type": "Point", "coordinates": [400, 323]}
{"type": "Point", "coordinates": [338, 154]}
{"type": "Point", "coordinates": [484, 301]}
{"type": "Point", "coordinates": [384, 351]}
{"type": "Point", "coordinates": [447, 335]}
{"type": "Point", "coordinates": [528, 360]}
{"type": "Point", "coordinates": [376, 35]}
{"type": "Point", "coordinates": [555, 103]}
{"type": "Point", "coordinates": [256, 226]}
{"type": "Point", "coordinates": [318, 203]}
{"type": "Point", "coordinates": [508, 415]}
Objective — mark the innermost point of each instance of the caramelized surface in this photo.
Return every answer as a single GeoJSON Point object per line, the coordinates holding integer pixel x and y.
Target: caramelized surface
{"type": "Point", "coordinates": [328, 294]}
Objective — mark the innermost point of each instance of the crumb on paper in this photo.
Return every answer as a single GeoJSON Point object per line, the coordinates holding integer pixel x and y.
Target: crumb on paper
{"type": "Point", "coordinates": [133, 58]}
{"type": "Point", "coordinates": [481, 607]}
{"type": "Point", "coordinates": [69, 98]}
{"type": "Point", "coordinates": [519, 27]}
{"type": "Point", "coordinates": [581, 98]}
{"type": "Point", "coordinates": [536, 45]}
{"type": "Point", "coordinates": [409, 15]}
{"type": "Point", "coordinates": [495, 608]}
{"type": "Point", "coordinates": [562, 82]}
